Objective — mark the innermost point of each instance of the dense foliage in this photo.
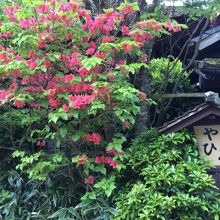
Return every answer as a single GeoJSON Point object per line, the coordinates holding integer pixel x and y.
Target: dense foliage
{"type": "Point", "coordinates": [167, 180]}
{"type": "Point", "coordinates": [64, 82]}
{"type": "Point", "coordinates": [64, 77]}
{"type": "Point", "coordinates": [23, 199]}
{"type": "Point", "coordinates": [69, 101]}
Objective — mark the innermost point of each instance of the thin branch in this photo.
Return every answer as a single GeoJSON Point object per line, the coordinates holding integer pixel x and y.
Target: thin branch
{"type": "Point", "coordinates": [9, 148]}
{"type": "Point", "coordinates": [192, 35]}
{"type": "Point", "coordinates": [153, 6]}
{"type": "Point", "coordinates": [11, 129]}
{"type": "Point", "coordinates": [165, 109]}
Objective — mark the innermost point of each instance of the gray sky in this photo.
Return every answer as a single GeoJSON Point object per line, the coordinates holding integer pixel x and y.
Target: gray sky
{"type": "Point", "coordinates": [170, 2]}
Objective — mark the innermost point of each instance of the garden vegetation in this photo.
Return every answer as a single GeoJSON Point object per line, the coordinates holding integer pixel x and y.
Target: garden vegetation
{"type": "Point", "coordinates": [68, 111]}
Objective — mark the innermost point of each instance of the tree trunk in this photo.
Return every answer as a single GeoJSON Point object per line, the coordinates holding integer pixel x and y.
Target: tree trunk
{"type": "Point", "coordinates": [143, 118]}
{"type": "Point", "coordinates": [144, 85]}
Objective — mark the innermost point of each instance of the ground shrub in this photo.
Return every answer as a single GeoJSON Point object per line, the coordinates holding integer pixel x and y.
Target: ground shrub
{"type": "Point", "coordinates": [167, 180]}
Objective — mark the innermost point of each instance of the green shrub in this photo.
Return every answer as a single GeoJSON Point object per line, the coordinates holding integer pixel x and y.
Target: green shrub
{"type": "Point", "coordinates": [55, 198]}
{"type": "Point", "coordinates": [167, 180]}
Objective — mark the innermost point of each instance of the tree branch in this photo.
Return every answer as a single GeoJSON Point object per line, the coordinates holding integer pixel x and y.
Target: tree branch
{"type": "Point", "coordinates": [153, 6]}
{"type": "Point", "coordinates": [165, 109]}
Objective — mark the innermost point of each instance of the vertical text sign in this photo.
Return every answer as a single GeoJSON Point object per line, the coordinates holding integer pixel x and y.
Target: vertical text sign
{"type": "Point", "coordinates": [208, 138]}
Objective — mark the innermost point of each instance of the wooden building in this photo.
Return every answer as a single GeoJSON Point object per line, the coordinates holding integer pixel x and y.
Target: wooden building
{"type": "Point", "coordinates": [207, 65]}
{"type": "Point", "coordinates": [204, 121]}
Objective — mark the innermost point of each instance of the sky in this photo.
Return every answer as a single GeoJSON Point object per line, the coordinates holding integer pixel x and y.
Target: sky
{"type": "Point", "coordinates": [170, 2]}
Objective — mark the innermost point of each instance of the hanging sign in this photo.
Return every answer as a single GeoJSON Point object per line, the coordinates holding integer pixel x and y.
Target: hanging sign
{"type": "Point", "coordinates": [208, 138]}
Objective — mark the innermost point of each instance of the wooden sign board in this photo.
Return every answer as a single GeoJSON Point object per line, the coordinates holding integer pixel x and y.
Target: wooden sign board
{"type": "Point", "coordinates": [208, 138]}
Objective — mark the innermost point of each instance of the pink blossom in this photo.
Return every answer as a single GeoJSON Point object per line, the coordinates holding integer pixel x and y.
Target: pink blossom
{"type": "Point", "coordinates": [100, 55]}
{"type": "Point", "coordinates": [126, 123]}
{"type": "Point", "coordinates": [127, 48]}
{"type": "Point", "coordinates": [36, 89]}
{"type": "Point", "coordinates": [82, 159]}
{"type": "Point", "coordinates": [65, 108]}
{"type": "Point", "coordinates": [41, 143]}
{"type": "Point", "coordinates": [54, 102]}
{"type": "Point", "coordinates": [94, 137]}
{"type": "Point", "coordinates": [68, 36]}
{"type": "Point", "coordinates": [10, 12]}
{"type": "Point", "coordinates": [47, 64]}
{"type": "Point", "coordinates": [68, 78]}
{"type": "Point", "coordinates": [170, 25]}
{"type": "Point", "coordinates": [107, 39]}
{"type": "Point", "coordinates": [27, 23]}
{"type": "Point", "coordinates": [90, 180]}
{"type": "Point", "coordinates": [42, 44]}
{"type": "Point", "coordinates": [19, 104]}
{"type": "Point", "coordinates": [32, 64]}
{"type": "Point", "coordinates": [100, 159]}
{"type": "Point", "coordinates": [125, 30]}
{"type": "Point", "coordinates": [13, 86]}
{"type": "Point", "coordinates": [4, 94]}
{"type": "Point", "coordinates": [128, 10]}
{"type": "Point", "coordinates": [177, 28]}
{"type": "Point", "coordinates": [34, 105]}
{"type": "Point", "coordinates": [142, 96]}
{"type": "Point", "coordinates": [79, 101]}
{"type": "Point", "coordinates": [6, 35]}
{"type": "Point", "coordinates": [90, 51]}
{"type": "Point", "coordinates": [3, 56]}
{"type": "Point", "coordinates": [113, 164]}
{"type": "Point", "coordinates": [53, 16]}
{"type": "Point", "coordinates": [106, 160]}
{"type": "Point", "coordinates": [15, 73]}
{"type": "Point", "coordinates": [65, 6]}
{"type": "Point", "coordinates": [43, 8]}
{"type": "Point", "coordinates": [114, 152]}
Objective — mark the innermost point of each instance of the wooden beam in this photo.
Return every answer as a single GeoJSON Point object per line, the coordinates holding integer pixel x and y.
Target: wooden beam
{"type": "Point", "coordinates": [209, 40]}
{"type": "Point", "coordinates": [198, 71]}
{"type": "Point", "coordinates": [185, 95]}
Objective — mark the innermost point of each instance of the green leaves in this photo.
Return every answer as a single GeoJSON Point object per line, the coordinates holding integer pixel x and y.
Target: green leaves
{"type": "Point", "coordinates": [60, 214]}
{"type": "Point", "coordinates": [95, 107]}
{"type": "Point", "coordinates": [166, 182]}
{"type": "Point", "coordinates": [134, 6]}
{"type": "Point", "coordinates": [23, 39]}
{"type": "Point", "coordinates": [133, 67]}
{"type": "Point", "coordinates": [106, 185]}
{"type": "Point", "coordinates": [91, 62]}
{"type": "Point", "coordinates": [108, 46]}
{"type": "Point", "coordinates": [26, 160]}
{"type": "Point", "coordinates": [87, 209]}
{"type": "Point", "coordinates": [165, 68]}
{"type": "Point", "coordinates": [116, 143]}
{"type": "Point", "coordinates": [35, 166]}
{"type": "Point", "coordinates": [55, 116]}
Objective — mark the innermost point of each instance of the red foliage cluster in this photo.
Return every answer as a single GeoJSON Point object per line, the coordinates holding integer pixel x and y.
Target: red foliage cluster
{"type": "Point", "coordinates": [106, 160]}
{"type": "Point", "coordinates": [95, 138]}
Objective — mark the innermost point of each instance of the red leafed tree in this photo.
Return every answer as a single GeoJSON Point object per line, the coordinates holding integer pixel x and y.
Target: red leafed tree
{"type": "Point", "coordinates": [66, 74]}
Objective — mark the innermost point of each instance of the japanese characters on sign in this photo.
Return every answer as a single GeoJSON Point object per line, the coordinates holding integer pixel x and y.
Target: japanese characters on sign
{"type": "Point", "coordinates": [208, 138]}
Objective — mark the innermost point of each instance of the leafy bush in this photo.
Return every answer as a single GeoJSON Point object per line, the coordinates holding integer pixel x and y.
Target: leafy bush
{"type": "Point", "coordinates": [168, 181]}
{"type": "Point", "coordinates": [98, 209]}
{"type": "Point", "coordinates": [65, 86]}
{"type": "Point", "coordinates": [25, 199]}
{"type": "Point", "coordinates": [22, 199]}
